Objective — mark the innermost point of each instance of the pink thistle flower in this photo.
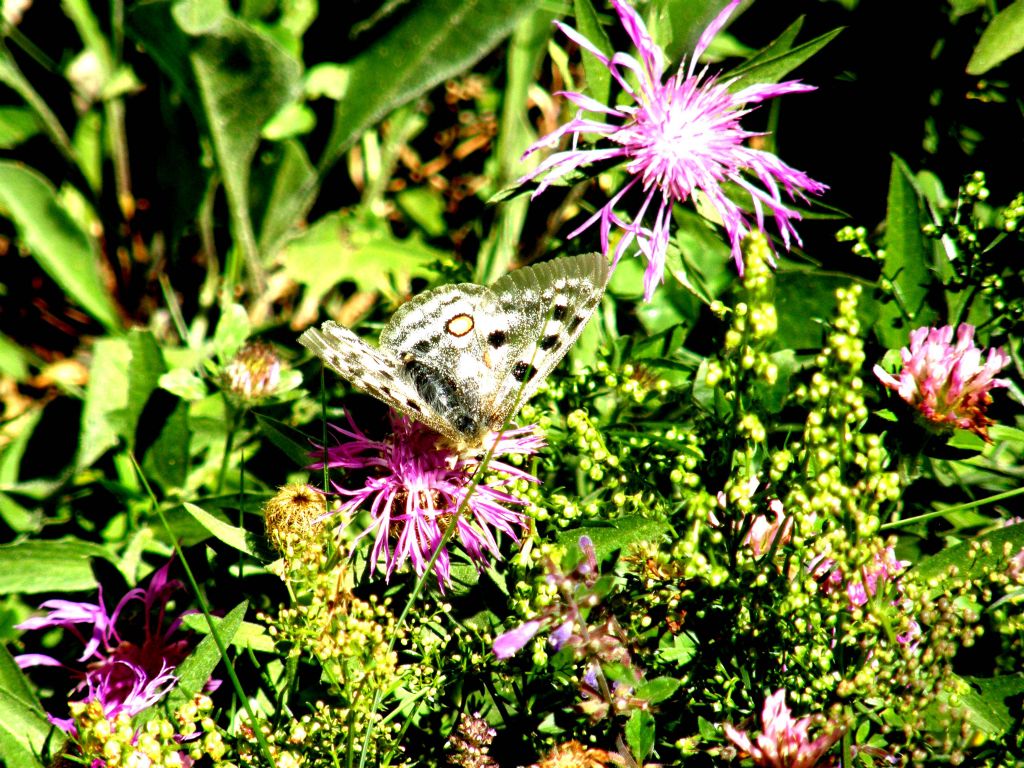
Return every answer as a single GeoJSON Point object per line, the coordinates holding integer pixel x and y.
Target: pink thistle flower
{"type": "Point", "coordinates": [681, 137]}
{"type": "Point", "coordinates": [417, 482]}
{"type": "Point", "coordinates": [784, 742]}
{"type": "Point", "coordinates": [948, 385]}
{"type": "Point", "coordinates": [123, 675]}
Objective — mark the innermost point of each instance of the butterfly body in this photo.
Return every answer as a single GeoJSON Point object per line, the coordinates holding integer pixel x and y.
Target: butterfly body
{"type": "Point", "coordinates": [462, 358]}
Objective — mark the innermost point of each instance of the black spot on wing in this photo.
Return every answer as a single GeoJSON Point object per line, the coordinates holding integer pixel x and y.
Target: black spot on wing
{"type": "Point", "coordinates": [522, 371]}
{"type": "Point", "coordinates": [497, 339]}
{"type": "Point", "coordinates": [561, 310]}
{"type": "Point", "coordinates": [412, 405]}
{"type": "Point", "coordinates": [575, 323]}
{"type": "Point", "coordinates": [549, 342]}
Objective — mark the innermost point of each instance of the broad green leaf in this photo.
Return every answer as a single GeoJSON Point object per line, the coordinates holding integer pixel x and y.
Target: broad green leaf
{"type": "Point", "coordinates": [249, 635]}
{"type": "Point", "coordinates": [243, 78]}
{"type": "Point", "coordinates": [599, 79]}
{"type": "Point", "coordinates": [58, 565]}
{"type": "Point", "coordinates": [13, 359]}
{"type": "Point", "coordinates": [986, 705]}
{"type": "Point", "coordinates": [341, 248]}
{"type": "Point", "coordinates": [281, 194]}
{"type": "Point", "coordinates": [436, 40]}
{"type": "Point", "coordinates": [123, 374]}
{"type": "Point", "coordinates": [16, 125]}
{"type": "Point", "coordinates": [658, 689]}
{"type": "Point", "coordinates": [194, 672]}
{"type": "Point", "coordinates": [17, 518]}
{"type": "Point", "coordinates": [232, 330]}
{"type": "Point", "coordinates": [184, 383]}
{"type": "Point", "coordinates": [237, 538]}
{"type": "Point", "coordinates": [905, 259]}
{"type": "Point", "coordinates": [640, 734]}
{"type": "Point", "coordinates": [773, 69]}
{"type": "Point", "coordinates": [23, 724]}
{"type": "Point", "coordinates": [56, 242]}
{"type": "Point", "coordinates": [972, 558]}
{"type": "Point", "coordinates": [1002, 38]}
{"type": "Point", "coordinates": [167, 459]}
{"type": "Point", "coordinates": [679, 650]}
{"type": "Point", "coordinates": [619, 535]}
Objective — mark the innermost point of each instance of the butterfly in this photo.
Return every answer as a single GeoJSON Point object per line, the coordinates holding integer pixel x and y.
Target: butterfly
{"type": "Point", "coordinates": [462, 358]}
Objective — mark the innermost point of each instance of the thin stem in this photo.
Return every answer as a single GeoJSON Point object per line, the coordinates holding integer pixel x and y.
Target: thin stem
{"type": "Point", "coordinates": [955, 508]}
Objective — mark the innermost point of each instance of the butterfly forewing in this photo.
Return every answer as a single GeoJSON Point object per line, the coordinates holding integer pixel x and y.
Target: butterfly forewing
{"type": "Point", "coordinates": [554, 301]}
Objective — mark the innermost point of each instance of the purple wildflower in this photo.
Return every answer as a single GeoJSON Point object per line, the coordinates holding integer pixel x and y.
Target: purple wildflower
{"type": "Point", "coordinates": [784, 741]}
{"type": "Point", "coordinates": [123, 675]}
{"type": "Point", "coordinates": [948, 385]}
{"type": "Point", "coordinates": [680, 137]}
{"type": "Point", "coordinates": [416, 483]}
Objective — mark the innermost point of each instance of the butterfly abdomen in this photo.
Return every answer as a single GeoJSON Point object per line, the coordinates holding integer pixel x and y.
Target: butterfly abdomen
{"type": "Point", "coordinates": [444, 395]}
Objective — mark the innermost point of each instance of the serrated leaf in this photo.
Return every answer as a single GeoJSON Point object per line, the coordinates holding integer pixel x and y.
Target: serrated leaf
{"type": "Point", "coordinates": [23, 725]}
{"type": "Point", "coordinates": [56, 241]}
{"type": "Point", "coordinates": [58, 565]}
{"type": "Point", "coordinates": [436, 40]}
{"type": "Point", "coordinates": [972, 558]}
{"type": "Point", "coordinates": [1002, 38]}
{"type": "Point", "coordinates": [680, 650]}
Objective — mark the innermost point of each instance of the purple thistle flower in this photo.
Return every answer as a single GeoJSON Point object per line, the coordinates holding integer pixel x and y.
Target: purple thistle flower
{"type": "Point", "coordinates": [123, 675]}
{"type": "Point", "coordinates": [417, 483]}
{"type": "Point", "coordinates": [680, 137]}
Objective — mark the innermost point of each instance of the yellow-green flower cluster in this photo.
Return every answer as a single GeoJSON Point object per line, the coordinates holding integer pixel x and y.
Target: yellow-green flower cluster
{"type": "Point", "coordinates": [117, 742]}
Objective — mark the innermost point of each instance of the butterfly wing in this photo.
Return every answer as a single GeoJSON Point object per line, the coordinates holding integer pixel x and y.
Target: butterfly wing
{"type": "Point", "coordinates": [539, 312]}
{"type": "Point", "coordinates": [375, 371]}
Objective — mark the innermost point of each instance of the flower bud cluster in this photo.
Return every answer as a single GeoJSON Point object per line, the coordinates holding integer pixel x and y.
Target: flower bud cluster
{"type": "Point", "coordinates": [189, 735]}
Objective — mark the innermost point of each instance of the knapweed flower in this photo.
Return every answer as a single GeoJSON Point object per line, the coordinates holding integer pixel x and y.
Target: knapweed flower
{"type": "Point", "coordinates": [416, 484]}
{"type": "Point", "coordinates": [680, 137]}
{"type": "Point", "coordinates": [123, 672]}
{"type": "Point", "coordinates": [254, 372]}
{"type": "Point", "coordinates": [784, 742]}
{"type": "Point", "coordinates": [948, 384]}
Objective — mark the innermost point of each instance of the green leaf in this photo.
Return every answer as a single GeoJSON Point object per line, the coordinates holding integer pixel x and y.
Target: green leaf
{"type": "Point", "coordinates": [194, 672]}
{"type": "Point", "coordinates": [232, 330]}
{"type": "Point", "coordinates": [16, 125]}
{"type": "Point", "coordinates": [658, 689]}
{"type": "Point", "coordinates": [13, 359]}
{"type": "Point", "coordinates": [905, 259]}
{"type": "Point", "coordinates": [293, 443]}
{"type": "Point", "coordinates": [341, 248]}
{"type": "Point", "coordinates": [640, 734]}
{"type": "Point", "coordinates": [1002, 38]}
{"type": "Point", "coordinates": [167, 459]}
{"type": "Point", "coordinates": [243, 78]}
{"type": "Point", "coordinates": [973, 558]}
{"type": "Point", "coordinates": [57, 565]}
{"type": "Point", "coordinates": [620, 534]}
{"type": "Point", "coordinates": [679, 650]}
{"type": "Point", "coordinates": [436, 40]}
{"type": "Point", "coordinates": [123, 374]}
{"type": "Point", "coordinates": [184, 383]}
{"type": "Point", "coordinates": [23, 725]}
{"type": "Point", "coordinates": [986, 705]}
{"type": "Point", "coordinates": [282, 186]}
{"type": "Point", "coordinates": [599, 79]}
{"type": "Point", "coordinates": [19, 519]}
{"type": "Point", "coordinates": [249, 635]}
{"type": "Point", "coordinates": [62, 248]}
{"type": "Point", "coordinates": [772, 69]}
{"type": "Point", "coordinates": [237, 538]}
